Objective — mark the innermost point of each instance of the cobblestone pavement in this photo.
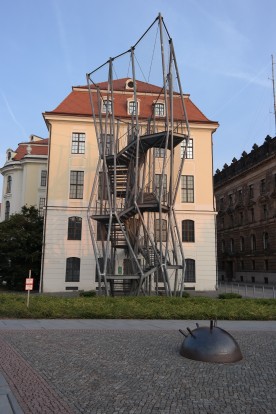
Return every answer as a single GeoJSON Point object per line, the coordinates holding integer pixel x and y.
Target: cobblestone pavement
{"type": "Point", "coordinates": [131, 372]}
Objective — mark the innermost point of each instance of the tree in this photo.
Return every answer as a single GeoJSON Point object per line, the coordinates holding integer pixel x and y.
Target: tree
{"type": "Point", "coordinates": [20, 247]}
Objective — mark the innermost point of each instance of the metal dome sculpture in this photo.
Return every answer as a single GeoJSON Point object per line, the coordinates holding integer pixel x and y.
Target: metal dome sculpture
{"type": "Point", "coordinates": [210, 344]}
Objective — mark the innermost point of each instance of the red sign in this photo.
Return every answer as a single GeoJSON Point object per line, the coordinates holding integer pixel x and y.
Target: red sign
{"type": "Point", "coordinates": [29, 283]}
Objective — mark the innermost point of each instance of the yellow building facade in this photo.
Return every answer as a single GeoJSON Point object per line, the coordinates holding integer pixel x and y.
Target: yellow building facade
{"type": "Point", "coordinates": [68, 258]}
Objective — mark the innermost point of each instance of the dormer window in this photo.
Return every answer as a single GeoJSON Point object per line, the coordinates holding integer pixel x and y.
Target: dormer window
{"type": "Point", "coordinates": [9, 155]}
{"type": "Point", "coordinates": [106, 106]}
{"type": "Point", "coordinates": [159, 109]}
{"type": "Point", "coordinates": [132, 106]}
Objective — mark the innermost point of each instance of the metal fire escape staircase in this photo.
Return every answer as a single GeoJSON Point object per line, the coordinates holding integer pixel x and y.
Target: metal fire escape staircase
{"type": "Point", "coordinates": [126, 204]}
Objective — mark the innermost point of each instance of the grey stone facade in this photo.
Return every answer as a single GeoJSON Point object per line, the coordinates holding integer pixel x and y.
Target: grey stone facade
{"type": "Point", "coordinates": [245, 195]}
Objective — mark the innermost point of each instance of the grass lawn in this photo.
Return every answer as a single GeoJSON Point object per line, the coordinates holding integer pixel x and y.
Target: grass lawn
{"type": "Point", "coordinates": [44, 306]}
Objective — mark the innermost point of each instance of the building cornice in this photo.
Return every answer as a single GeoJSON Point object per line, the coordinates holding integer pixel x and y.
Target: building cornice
{"type": "Point", "coordinates": [239, 168]}
{"type": "Point", "coordinates": [50, 116]}
{"type": "Point", "coordinates": [11, 166]}
{"type": "Point", "coordinates": [18, 165]}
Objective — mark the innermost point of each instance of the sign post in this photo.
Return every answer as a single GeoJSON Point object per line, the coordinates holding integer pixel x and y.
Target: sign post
{"type": "Point", "coordinates": [29, 284]}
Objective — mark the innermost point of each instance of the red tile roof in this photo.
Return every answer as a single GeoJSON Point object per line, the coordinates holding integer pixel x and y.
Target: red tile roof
{"type": "Point", "coordinates": [120, 86]}
{"type": "Point", "coordinates": [38, 148]}
{"type": "Point", "coordinates": [78, 103]}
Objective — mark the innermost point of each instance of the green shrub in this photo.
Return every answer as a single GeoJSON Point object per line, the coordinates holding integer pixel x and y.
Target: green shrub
{"type": "Point", "coordinates": [135, 307]}
{"type": "Point", "coordinates": [229, 296]}
{"type": "Point", "coordinates": [88, 294]}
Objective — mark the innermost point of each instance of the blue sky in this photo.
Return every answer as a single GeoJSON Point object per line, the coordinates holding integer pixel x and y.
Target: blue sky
{"type": "Point", "coordinates": [223, 49]}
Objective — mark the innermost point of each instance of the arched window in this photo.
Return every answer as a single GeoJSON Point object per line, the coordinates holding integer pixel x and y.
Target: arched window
{"type": "Point", "coordinates": [188, 231]}
{"type": "Point", "coordinates": [190, 271]}
{"type": "Point", "coordinates": [7, 210]}
{"type": "Point", "coordinates": [253, 242]}
{"type": "Point", "coordinates": [241, 243]}
{"type": "Point", "coordinates": [74, 228]}
{"type": "Point", "coordinates": [72, 269]}
{"type": "Point", "coordinates": [265, 240]}
{"type": "Point", "coordinates": [9, 184]}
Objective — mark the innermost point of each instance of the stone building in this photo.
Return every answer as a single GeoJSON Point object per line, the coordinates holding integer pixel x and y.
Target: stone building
{"type": "Point", "coordinates": [245, 195]}
{"type": "Point", "coordinates": [25, 177]}
{"type": "Point", "coordinates": [68, 259]}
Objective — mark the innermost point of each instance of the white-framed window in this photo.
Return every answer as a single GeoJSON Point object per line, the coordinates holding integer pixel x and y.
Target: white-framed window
{"type": "Point", "coordinates": [159, 109]}
{"type": "Point", "coordinates": [159, 152]}
{"type": "Point", "coordinates": [163, 230]}
{"type": "Point", "coordinates": [78, 143]}
{"type": "Point", "coordinates": [102, 187]}
{"type": "Point", "coordinates": [190, 149]}
{"type": "Point", "coordinates": [43, 178]}
{"type": "Point", "coordinates": [106, 106]}
{"type": "Point", "coordinates": [157, 186]}
{"type": "Point", "coordinates": [187, 189]}
{"type": "Point", "coordinates": [76, 184]}
{"type": "Point", "coordinates": [42, 202]}
{"type": "Point", "coordinates": [9, 184]}
{"type": "Point", "coordinates": [133, 107]}
{"type": "Point", "coordinates": [108, 139]}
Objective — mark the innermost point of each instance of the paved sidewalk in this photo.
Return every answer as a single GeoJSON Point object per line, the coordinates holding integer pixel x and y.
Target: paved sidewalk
{"type": "Point", "coordinates": [129, 324]}
{"type": "Point", "coordinates": [131, 367]}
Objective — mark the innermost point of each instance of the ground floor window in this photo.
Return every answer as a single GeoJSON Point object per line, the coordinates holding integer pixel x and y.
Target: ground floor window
{"type": "Point", "coordinates": [72, 269]}
{"type": "Point", "coordinates": [7, 210]}
{"type": "Point", "coordinates": [190, 271]}
{"type": "Point", "coordinates": [41, 206]}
